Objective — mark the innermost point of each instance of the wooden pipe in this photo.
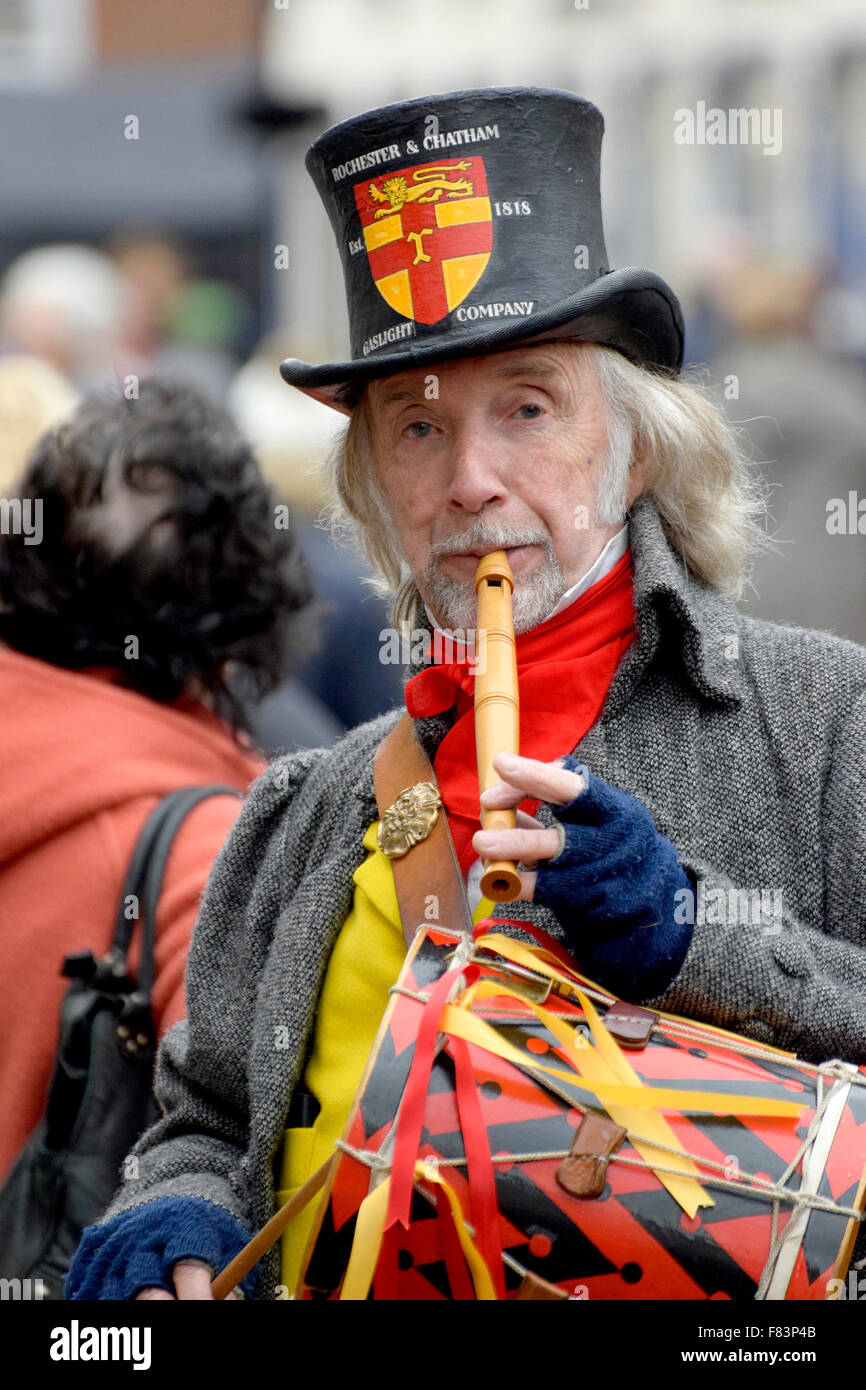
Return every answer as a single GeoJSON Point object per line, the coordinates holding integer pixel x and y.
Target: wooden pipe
{"type": "Point", "coordinates": [497, 706]}
{"type": "Point", "coordinates": [238, 1268]}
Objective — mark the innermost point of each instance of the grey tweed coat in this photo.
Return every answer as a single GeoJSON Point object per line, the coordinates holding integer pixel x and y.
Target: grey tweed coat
{"type": "Point", "coordinates": [747, 743]}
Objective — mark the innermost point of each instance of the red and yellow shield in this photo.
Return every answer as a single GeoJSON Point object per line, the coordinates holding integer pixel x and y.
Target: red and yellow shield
{"type": "Point", "coordinates": [429, 232]}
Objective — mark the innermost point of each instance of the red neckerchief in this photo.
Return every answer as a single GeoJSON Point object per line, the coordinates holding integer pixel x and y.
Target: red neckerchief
{"type": "Point", "coordinates": [564, 670]}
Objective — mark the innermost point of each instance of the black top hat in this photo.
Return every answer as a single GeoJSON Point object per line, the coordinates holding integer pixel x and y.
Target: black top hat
{"type": "Point", "coordinates": [469, 222]}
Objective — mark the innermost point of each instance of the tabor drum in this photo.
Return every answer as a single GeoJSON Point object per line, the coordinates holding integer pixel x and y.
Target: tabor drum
{"type": "Point", "coordinates": [519, 1133]}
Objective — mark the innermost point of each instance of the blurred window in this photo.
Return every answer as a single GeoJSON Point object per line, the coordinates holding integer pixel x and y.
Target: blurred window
{"type": "Point", "coordinates": [44, 42]}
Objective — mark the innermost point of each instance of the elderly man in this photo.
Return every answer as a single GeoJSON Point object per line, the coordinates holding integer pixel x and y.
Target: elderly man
{"type": "Point", "coordinates": [706, 854]}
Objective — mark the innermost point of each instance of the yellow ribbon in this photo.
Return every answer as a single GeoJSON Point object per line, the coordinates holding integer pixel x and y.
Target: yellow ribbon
{"type": "Point", "coordinates": [483, 1283]}
{"type": "Point", "coordinates": [635, 1106]}
{"type": "Point", "coordinates": [367, 1241]}
{"type": "Point", "coordinates": [457, 1020]}
{"type": "Point", "coordinates": [607, 1074]}
{"type": "Point", "coordinates": [536, 958]}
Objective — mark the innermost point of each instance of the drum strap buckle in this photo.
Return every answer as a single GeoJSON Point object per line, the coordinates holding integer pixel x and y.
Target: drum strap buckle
{"type": "Point", "coordinates": [526, 983]}
{"type": "Point", "coordinates": [630, 1024]}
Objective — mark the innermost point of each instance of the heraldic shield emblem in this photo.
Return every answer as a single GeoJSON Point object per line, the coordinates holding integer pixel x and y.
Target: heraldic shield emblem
{"type": "Point", "coordinates": [428, 231]}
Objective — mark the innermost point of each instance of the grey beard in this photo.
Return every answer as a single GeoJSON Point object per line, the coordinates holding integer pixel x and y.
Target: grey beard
{"type": "Point", "coordinates": [454, 601]}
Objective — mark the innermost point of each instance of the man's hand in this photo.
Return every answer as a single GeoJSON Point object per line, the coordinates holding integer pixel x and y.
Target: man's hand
{"type": "Point", "coordinates": [192, 1280]}
{"type": "Point", "coordinates": [613, 880]}
{"type": "Point", "coordinates": [530, 841]}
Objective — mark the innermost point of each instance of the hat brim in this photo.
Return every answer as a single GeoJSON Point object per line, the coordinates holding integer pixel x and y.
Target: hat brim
{"type": "Point", "coordinates": [632, 310]}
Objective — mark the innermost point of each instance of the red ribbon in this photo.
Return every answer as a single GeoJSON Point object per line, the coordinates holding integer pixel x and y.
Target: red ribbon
{"type": "Point", "coordinates": [411, 1117]}
{"type": "Point", "coordinates": [484, 1207]}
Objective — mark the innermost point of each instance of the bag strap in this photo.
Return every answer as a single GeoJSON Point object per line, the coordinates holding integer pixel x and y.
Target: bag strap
{"type": "Point", "coordinates": [430, 866]}
{"type": "Point", "coordinates": [146, 870]}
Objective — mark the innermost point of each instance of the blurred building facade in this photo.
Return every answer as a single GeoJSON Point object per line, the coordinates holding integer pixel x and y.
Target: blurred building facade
{"type": "Point", "coordinates": [192, 118]}
{"type": "Point", "coordinates": [72, 73]}
{"type": "Point", "coordinates": [123, 116]}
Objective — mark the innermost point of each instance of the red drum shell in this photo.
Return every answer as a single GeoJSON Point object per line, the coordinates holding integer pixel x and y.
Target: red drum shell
{"type": "Point", "coordinates": [633, 1241]}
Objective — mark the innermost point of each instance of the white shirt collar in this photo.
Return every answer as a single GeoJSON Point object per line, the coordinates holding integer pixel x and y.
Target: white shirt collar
{"type": "Point", "coordinates": [610, 556]}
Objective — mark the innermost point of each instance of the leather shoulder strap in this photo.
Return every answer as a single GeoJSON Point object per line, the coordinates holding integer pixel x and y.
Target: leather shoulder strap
{"type": "Point", "coordinates": [429, 868]}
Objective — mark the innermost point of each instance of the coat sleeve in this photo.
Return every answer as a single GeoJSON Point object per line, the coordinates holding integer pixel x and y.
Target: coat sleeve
{"type": "Point", "coordinates": [197, 1149]}
{"type": "Point", "coordinates": [799, 987]}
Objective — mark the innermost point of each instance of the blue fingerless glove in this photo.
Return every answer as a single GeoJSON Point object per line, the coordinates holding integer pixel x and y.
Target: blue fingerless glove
{"type": "Point", "coordinates": [614, 888]}
{"type": "Point", "coordinates": [136, 1250]}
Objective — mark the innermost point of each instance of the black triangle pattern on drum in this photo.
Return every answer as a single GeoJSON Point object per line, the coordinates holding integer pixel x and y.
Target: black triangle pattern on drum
{"type": "Point", "coordinates": [711, 1267]}
{"type": "Point", "coordinates": [331, 1254]}
{"type": "Point", "coordinates": [572, 1254]}
{"type": "Point", "coordinates": [378, 1103]}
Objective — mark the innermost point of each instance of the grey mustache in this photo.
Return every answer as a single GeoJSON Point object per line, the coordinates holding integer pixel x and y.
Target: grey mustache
{"type": "Point", "coordinates": [497, 540]}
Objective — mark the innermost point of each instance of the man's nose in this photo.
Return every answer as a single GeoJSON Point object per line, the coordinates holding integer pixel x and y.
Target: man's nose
{"type": "Point", "coordinates": [476, 473]}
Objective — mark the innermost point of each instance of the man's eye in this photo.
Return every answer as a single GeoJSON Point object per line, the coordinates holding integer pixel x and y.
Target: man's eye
{"type": "Point", "coordinates": [530, 411]}
{"type": "Point", "coordinates": [419, 429]}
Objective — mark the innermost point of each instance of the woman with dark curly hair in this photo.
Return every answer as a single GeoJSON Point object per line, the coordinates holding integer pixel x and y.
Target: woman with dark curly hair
{"type": "Point", "coordinates": [154, 601]}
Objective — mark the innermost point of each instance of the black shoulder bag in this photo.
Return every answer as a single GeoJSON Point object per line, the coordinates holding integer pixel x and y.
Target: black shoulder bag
{"type": "Point", "coordinates": [101, 1094]}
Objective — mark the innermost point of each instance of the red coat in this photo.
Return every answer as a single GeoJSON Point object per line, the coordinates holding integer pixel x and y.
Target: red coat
{"type": "Point", "coordinates": [82, 764]}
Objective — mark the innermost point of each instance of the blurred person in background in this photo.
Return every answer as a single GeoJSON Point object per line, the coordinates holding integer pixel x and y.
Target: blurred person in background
{"type": "Point", "coordinates": [153, 604]}
{"type": "Point", "coordinates": [33, 398]}
{"type": "Point", "coordinates": [65, 304]}
{"type": "Point", "coordinates": [292, 440]}
{"type": "Point", "coordinates": [154, 267]}
{"type": "Point", "coordinates": [803, 408]}
{"type": "Point", "coordinates": [178, 323]}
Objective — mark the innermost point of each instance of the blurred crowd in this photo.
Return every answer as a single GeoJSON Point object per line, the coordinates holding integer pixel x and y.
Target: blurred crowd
{"type": "Point", "coordinates": [170, 616]}
{"type": "Point", "coordinates": [778, 341]}
{"type": "Point", "coordinates": [76, 319]}
{"type": "Point", "coordinates": [785, 349]}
